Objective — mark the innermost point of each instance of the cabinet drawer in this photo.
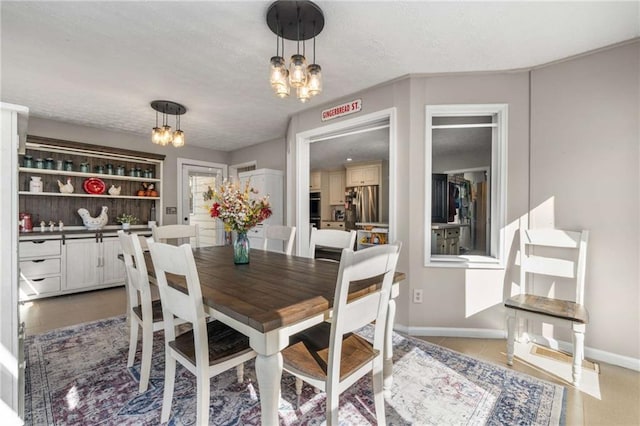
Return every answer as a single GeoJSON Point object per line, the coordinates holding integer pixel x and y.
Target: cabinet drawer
{"type": "Point", "coordinates": [38, 248]}
{"type": "Point", "coordinates": [453, 233]}
{"type": "Point", "coordinates": [333, 225]}
{"type": "Point", "coordinates": [38, 286]}
{"type": "Point", "coordinates": [438, 233]}
{"type": "Point", "coordinates": [39, 267]}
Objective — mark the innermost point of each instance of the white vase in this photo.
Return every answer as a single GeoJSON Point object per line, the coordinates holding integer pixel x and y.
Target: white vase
{"type": "Point", "coordinates": [36, 184]}
{"type": "Point", "coordinates": [126, 226]}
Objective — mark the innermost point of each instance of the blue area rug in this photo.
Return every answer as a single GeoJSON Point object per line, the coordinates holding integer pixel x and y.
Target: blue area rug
{"type": "Point", "coordinates": [78, 376]}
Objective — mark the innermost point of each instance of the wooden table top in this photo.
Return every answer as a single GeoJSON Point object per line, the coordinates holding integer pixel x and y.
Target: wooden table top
{"type": "Point", "coordinates": [272, 291]}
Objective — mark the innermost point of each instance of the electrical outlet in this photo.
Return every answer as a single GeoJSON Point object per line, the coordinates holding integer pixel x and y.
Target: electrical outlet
{"type": "Point", "coordinates": [417, 296]}
{"type": "Point", "coordinates": [171, 210]}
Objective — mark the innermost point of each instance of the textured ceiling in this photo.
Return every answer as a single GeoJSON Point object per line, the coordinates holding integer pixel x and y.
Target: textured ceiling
{"type": "Point", "coordinates": [101, 63]}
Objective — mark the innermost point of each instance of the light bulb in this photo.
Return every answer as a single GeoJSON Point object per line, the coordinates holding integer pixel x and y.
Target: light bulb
{"type": "Point", "coordinates": [178, 138]}
{"type": "Point", "coordinates": [314, 81]}
{"type": "Point", "coordinates": [298, 71]}
{"type": "Point", "coordinates": [167, 135]}
{"type": "Point", "coordinates": [278, 71]}
{"type": "Point", "coordinates": [303, 94]}
{"type": "Point", "coordinates": [156, 135]}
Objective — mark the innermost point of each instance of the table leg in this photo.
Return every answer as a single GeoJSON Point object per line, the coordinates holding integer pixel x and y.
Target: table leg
{"type": "Point", "coordinates": [269, 374]}
{"type": "Point", "coordinates": [388, 347]}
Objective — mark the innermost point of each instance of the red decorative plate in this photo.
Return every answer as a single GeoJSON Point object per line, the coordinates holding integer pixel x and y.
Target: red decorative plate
{"type": "Point", "coordinates": [94, 186]}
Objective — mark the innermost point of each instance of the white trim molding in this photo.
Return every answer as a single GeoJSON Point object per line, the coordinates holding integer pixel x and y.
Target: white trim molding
{"type": "Point", "coordinates": [498, 194]}
{"type": "Point", "coordinates": [489, 333]}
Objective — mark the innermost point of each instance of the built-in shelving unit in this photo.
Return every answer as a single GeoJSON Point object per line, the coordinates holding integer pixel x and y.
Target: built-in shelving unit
{"type": "Point", "coordinates": [50, 204]}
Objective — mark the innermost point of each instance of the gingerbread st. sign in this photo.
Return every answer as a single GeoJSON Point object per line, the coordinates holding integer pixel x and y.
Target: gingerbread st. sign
{"type": "Point", "coordinates": [342, 110]}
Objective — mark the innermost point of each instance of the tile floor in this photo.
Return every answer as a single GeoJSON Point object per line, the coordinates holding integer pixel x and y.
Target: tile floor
{"type": "Point", "coordinates": [619, 387]}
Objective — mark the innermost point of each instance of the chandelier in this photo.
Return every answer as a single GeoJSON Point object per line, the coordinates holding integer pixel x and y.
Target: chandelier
{"type": "Point", "coordinates": [298, 21]}
{"type": "Point", "coordinates": [165, 135]}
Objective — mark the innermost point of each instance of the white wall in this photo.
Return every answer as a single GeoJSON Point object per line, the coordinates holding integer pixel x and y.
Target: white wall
{"type": "Point", "coordinates": [585, 115]}
{"type": "Point", "coordinates": [585, 174]}
{"type": "Point", "coordinates": [91, 135]}
{"type": "Point", "coordinates": [268, 155]}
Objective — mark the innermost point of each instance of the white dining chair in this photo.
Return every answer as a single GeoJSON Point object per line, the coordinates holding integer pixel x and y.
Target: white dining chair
{"type": "Point", "coordinates": [330, 356]}
{"type": "Point", "coordinates": [183, 233]}
{"type": "Point", "coordinates": [330, 238]}
{"type": "Point", "coordinates": [206, 350]}
{"type": "Point", "coordinates": [559, 254]}
{"type": "Point", "coordinates": [142, 311]}
{"type": "Point", "coordinates": [285, 234]}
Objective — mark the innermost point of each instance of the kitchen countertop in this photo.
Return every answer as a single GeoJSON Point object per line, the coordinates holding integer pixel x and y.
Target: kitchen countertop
{"type": "Point", "coordinates": [448, 225]}
{"type": "Point", "coordinates": [374, 224]}
{"type": "Point", "coordinates": [77, 232]}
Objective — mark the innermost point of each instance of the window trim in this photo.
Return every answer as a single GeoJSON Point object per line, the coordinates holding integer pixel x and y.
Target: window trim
{"type": "Point", "coordinates": [498, 185]}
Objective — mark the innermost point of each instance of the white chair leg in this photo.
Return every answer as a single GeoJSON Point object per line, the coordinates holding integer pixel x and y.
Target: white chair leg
{"type": "Point", "coordinates": [169, 383]}
{"type": "Point", "coordinates": [578, 352]}
{"type": "Point", "coordinates": [333, 397]}
{"type": "Point", "coordinates": [240, 372]}
{"type": "Point", "coordinates": [378, 391]}
{"type": "Point", "coordinates": [202, 399]}
{"type": "Point", "coordinates": [147, 348]}
{"type": "Point", "coordinates": [133, 342]}
{"type": "Point", "coordinates": [298, 391]}
{"type": "Point", "coordinates": [511, 331]}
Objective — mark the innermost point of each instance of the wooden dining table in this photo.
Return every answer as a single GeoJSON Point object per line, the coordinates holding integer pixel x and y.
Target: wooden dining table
{"type": "Point", "coordinates": [271, 298]}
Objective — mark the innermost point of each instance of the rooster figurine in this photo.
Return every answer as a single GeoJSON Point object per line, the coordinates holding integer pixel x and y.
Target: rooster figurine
{"type": "Point", "coordinates": [94, 222]}
{"type": "Point", "coordinates": [66, 188]}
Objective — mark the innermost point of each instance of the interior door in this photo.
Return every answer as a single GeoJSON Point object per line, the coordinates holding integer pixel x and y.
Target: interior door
{"type": "Point", "coordinates": [197, 181]}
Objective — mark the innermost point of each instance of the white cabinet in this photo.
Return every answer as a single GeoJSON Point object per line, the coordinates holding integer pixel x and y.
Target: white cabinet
{"type": "Point", "coordinates": [363, 175]}
{"type": "Point", "coordinates": [336, 188]}
{"type": "Point", "coordinates": [326, 224]}
{"type": "Point", "coordinates": [266, 182]}
{"type": "Point", "coordinates": [41, 263]}
{"type": "Point", "coordinates": [315, 181]}
{"type": "Point", "coordinates": [92, 264]}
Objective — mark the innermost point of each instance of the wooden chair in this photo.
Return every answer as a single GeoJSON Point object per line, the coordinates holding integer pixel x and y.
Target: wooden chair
{"type": "Point", "coordinates": [330, 238]}
{"type": "Point", "coordinates": [286, 234]}
{"type": "Point", "coordinates": [207, 349]}
{"type": "Point", "coordinates": [529, 305]}
{"type": "Point", "coordinates": [142, 311]}
{"type": "Point", "coordinates": [330, 356]}
{"type": "Point", "coordinates": [179, 232]}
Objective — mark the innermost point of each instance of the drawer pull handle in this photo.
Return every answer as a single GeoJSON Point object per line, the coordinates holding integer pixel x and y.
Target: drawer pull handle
{"type": "Point", "coordinates": [38, 241]}
{"type": "Point", "coordinates": [37, 279]}
{"type": "Point", "coordinates": [38, 260]}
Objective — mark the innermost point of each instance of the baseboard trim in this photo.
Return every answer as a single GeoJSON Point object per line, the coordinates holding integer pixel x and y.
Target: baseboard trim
{"type": "Point", "coordinates": [487, 333]}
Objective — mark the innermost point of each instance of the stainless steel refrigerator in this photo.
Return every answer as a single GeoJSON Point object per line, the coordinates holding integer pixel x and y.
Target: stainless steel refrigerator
{"type": "Point", "coordinates": [362, 206]}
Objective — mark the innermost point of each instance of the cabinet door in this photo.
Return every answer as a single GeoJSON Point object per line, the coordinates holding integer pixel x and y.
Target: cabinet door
{"type": "Point", "coordinates": [371, 175]}
{"type": "Point", "coordinates": [315, 181]}
{"type": "Point", "coordinates": [355, 177]}
{"type": "Point", "coordinates": [336, 188]}
{"type": "Point", "coordinates": [113, 270]}
{"type": "Point", "coordinates": [82, 263]}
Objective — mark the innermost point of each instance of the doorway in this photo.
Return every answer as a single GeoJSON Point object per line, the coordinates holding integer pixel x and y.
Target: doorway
{"type": "Point", "coordinates": [196, 181]}
{"type": "Point", "coordinates": [302, 168]}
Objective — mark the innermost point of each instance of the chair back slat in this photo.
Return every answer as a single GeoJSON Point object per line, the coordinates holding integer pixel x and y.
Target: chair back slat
{"type": "Point", "coordinates": [164, 233]}
{"type": "Point", "coordinates": [571, 244]}
{"type": "Point", "coordinates": [136, 269]}
{"type": "Point", "coordinates": [333, 238]}
{"type": "Point", "coordinates": [550, 266]}
{"type": "Point", "coordinates": [552, 238]}
{"type": "Point", "coordinates": [360, 311]}
{"type": "Point", "coordinates": [179, 261]}
{"type": "Point", "coordinates": [286, 234]}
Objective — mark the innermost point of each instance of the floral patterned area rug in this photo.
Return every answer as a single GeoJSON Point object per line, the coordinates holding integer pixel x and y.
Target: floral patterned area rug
{"type": "Point", "coordinates": [78, 376]}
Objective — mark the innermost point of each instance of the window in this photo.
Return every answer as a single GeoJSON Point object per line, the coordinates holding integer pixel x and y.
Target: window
{"type": "Point", "coordinates": [465, 182]}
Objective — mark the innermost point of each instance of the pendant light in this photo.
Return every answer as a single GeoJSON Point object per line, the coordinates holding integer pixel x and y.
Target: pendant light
{"type": "Point", "coordinates": [297, 21]}
{"type": "Point", "coordinates": [165, 135]}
